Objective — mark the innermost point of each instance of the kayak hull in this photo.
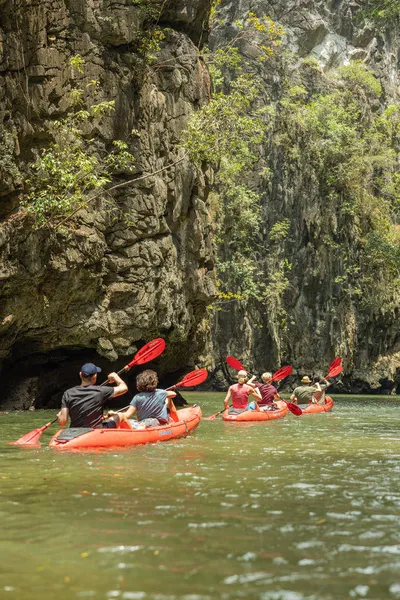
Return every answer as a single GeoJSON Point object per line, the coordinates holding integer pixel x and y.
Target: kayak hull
{"type": "Point", "coordinates": [313, 409]}
{"type": "Point", "coordinates": [189, 419]}
{"type": "Point", "coordinates": [257, 415]}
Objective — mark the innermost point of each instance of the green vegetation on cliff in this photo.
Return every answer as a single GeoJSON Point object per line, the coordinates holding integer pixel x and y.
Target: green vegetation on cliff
{"type": "Point", "coordinates": [331, 127]}
{"type": "Point", "coordinates": [227, 134]}
{"type": "Point", "coordinates": [382, 12]}
{"type": "Point", "coordinates": [350, 148]}
{"type": "Point", "coordinates": [72, 170]}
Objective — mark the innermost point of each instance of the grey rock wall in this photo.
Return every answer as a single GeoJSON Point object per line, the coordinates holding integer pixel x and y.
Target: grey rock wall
{"type": "Point", "coordinates": [133, 267]}
{"type": "Point", "coordinates": [322, 321]}
{"type": "Point", "coordinates": [140, 264]}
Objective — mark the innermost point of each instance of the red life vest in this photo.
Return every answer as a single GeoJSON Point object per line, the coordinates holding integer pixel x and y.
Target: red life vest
{"type": "Point", "coordinates": [240, 395]}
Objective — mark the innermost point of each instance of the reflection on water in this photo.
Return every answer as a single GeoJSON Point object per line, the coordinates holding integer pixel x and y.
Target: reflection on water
{"type": "Point", "coordinates": [296, 509]}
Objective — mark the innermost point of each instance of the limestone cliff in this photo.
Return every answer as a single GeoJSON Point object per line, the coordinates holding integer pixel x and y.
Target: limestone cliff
{"type": "Point", "coordinates": [139, 264]}
{"type": "Point", "coordinates": [136, 266]}
{"type": "Point", "coordinates": [322, 319]}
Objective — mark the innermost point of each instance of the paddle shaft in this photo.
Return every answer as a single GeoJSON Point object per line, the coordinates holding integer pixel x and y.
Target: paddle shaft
{"type": "Point", "coordinates": [121, 372]}
{"type": "Point", "coordinates": [212, 417]}
{"type": "Point", "coordinates": [294, 408]}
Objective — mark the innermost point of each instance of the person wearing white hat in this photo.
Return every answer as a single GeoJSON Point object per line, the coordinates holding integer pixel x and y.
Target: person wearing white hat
{"type": "Point", "coordinates": [239, 394]}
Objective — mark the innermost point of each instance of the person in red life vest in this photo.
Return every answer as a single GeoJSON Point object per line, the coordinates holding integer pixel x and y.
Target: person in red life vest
{"type": "Point", "coordinates": [267, 390]}
{"type": "Point", "coordinates": [239, 394]}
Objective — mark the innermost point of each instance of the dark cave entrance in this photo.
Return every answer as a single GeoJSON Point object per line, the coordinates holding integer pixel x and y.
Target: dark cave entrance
{"type": "Point", "coordinates": [37, 380]}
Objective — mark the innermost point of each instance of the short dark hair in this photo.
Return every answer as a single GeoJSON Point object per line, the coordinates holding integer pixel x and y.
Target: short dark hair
{"type": "Point", "coordinates": [147, 381]}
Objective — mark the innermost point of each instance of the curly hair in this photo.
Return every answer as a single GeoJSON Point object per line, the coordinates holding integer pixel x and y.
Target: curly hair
{"type": "Point", "coordinates": [147, 381]}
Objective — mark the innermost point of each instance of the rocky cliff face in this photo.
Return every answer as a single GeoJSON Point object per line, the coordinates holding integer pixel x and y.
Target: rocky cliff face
{"type": "Point", "coordinates": [125, 270]}
{"type": "Point", "coordinates": [140, 264]}
{"type": "Point", "coordinates": [322, 320]}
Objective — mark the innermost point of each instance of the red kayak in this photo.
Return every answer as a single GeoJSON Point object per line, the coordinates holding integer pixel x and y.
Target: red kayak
{"type": "Point", "coordinates": [313, 409]}
{"type": "Point", "coordinates": [66, 439]}
{"type": "Point", "coordinates": [257, 415]}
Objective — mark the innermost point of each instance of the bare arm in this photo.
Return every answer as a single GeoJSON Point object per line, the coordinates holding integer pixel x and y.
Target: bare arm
{"type": "Point", "coordinates": [62, 416]}
{"type": "Point", "coordinates": [227, 398]}
{"type": "Point", "coordinates": [124, 416]}
{"type": "Point", "coordinates": [256, 393]}
{"type": "Point", "coordinates": [251, 381]}
{"type": "Point", "coordinates": [170, 395]}
{"type": "Point", "coordinates": [120, 388]}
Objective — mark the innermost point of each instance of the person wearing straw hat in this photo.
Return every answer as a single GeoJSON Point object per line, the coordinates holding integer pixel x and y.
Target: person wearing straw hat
{"type": "Point", "coordinates": [239, 394]}
{"type": "Point", "coordinates": [303, 394]}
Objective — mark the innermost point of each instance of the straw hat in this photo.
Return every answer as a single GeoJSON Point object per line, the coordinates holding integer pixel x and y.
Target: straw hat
{"type": "Point", "coordinates": [306, 379]}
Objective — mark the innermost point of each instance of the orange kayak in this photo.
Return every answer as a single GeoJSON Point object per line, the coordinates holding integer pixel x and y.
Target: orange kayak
{"type": "Point", "coordinates": [312, 409]}
{"type": "Point", "coordinates": [257, 415]}
{"type": "Point", "coordinates": [66, 439]}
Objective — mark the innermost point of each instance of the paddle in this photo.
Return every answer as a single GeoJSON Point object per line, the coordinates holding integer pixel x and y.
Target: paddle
{"type": "Point", "coordinates": [32, 438]}
{"type": "Point", "coordinates": [149, 351]}
{"type": "Point", "coordinates": [277, 376]}
{"type": "Point", "coordinates": [336, 362]}
{"type": "Point", "coordinates": [191, 379]}
{"type": "Point", "coordinates": [212, 417]}
{"type": "Point", "coordinates": [234, 363]}
{"type": "Point", "coordinates": [335, 368]}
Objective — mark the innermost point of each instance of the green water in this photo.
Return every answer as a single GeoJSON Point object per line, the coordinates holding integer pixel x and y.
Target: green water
{"type": "Point", "coordinates": [297, 509]}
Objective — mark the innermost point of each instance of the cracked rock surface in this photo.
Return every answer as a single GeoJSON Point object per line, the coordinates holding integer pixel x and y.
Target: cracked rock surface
{"type": "Point", "coordinates": [127, 269]}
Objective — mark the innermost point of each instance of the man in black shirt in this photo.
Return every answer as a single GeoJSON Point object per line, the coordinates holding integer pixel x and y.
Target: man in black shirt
{"type": "Point", "coordinates": [84, 403]}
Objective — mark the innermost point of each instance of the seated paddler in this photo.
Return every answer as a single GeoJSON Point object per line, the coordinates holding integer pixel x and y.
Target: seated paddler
{"type": "Point", "coordinates": [321, 385]}
{"type": "Point", "coordinates": [267, 390]}
{"type": "Point", "coordinates": [303, 394]}
{"type": "Point", "coordinates": [84, 403]}
{"type": "Point", "coordinates": [151, 405]}
{"type": "Point", "coordinates": [239, 393]}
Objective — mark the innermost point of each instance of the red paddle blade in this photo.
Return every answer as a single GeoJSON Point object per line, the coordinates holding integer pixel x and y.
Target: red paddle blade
{"type": "Point", "coordinates": [234, 363]}
{"type": "Point", "coordinates": [31, 438]}
{"type": "Point", "coordinates": [149, 352]}
{"type": "Point", "coordinates": [296, 410]}
{"type": "Point", "coordinates": [335, 363]}
{"type": "Point", "coordinates": [335, 371]}
{"type": "Point", "coordinates": [282, 373]}
{"type": "Point", "coordinates": [193, 378]}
